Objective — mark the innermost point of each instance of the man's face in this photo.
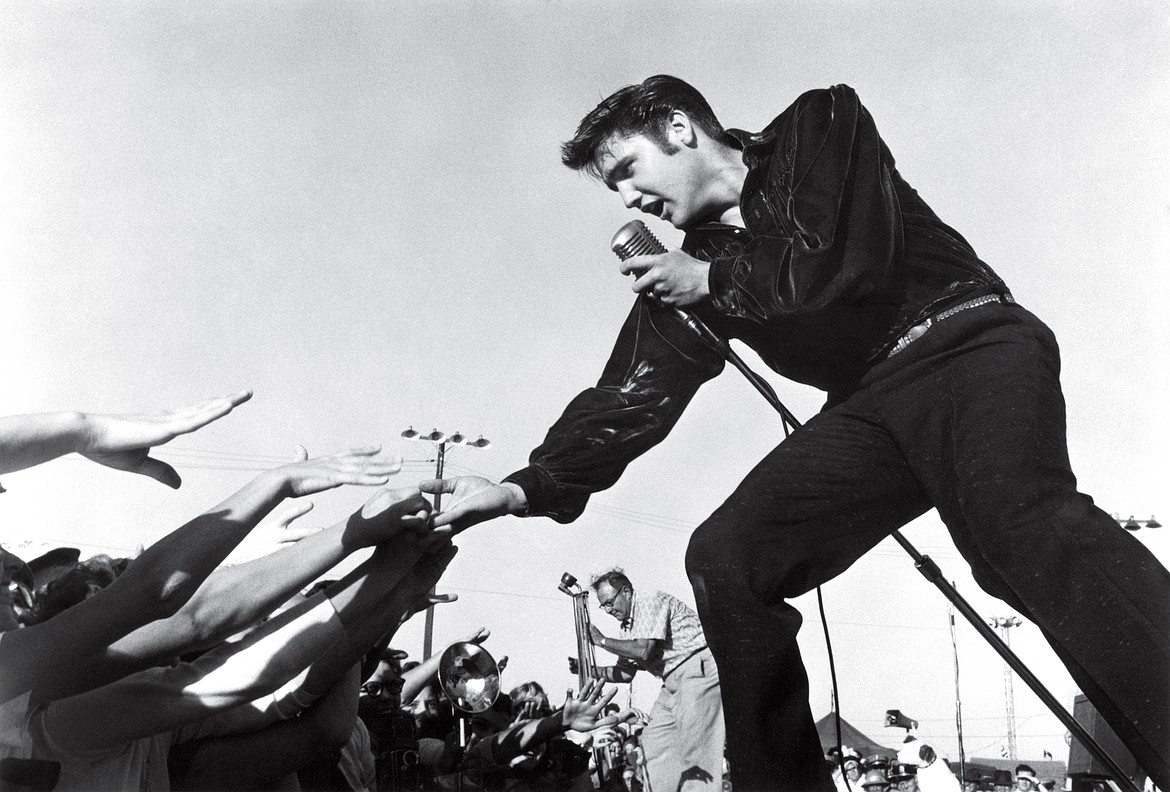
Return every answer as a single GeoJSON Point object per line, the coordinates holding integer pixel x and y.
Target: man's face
{"type": "Point", "coordinates": [852, 770]}
{"type": "Point", "coordinates": [615, 602]}
{"type": "Point", "coordinates": [1025, 785]}
{"type": "Point", "coordinates": [671, 184]}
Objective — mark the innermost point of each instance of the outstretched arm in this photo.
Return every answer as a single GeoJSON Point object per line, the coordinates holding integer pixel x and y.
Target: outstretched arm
{"type": "Point", "coordinates": [579, 713]}
{"type": "Point", "coordinates": [311, 645]}
{"type": "Point", "coordinates": [235, 598]}
{"type": "Point", "coordinates": [414, 680]}
{"type": "Point", "coordinates": [475, 500]}
{"type": "Point", "coordinates": [165, 576]}
{"type": "Point", "coordinates": [255, 759]}
{"type": "Point", "coordinates": [122, 442]}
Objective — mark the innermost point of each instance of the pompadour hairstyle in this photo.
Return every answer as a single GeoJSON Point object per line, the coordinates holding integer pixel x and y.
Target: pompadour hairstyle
{"type": "Point", "coordinates": [638, 109]}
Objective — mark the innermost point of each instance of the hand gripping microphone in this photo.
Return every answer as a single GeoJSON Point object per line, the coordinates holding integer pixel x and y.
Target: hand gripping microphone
{"type": "Point", "coordinates": [635, 239]}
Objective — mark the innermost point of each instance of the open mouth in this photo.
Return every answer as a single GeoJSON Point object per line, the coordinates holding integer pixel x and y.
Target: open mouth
{"type": "Point", "coordinates": [655, 208]}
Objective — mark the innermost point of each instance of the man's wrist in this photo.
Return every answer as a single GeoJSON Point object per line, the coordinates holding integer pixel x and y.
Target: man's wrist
{"type": "Point", "coordinates": [517, 500]}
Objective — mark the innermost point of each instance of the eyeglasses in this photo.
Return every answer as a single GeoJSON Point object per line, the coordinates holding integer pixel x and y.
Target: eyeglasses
{"type": "Point", "coordinates": [608, 606]}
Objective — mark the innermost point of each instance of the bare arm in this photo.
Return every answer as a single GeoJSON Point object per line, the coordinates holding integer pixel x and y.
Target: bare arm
{"type": "Point", "coordinates": [122, 442]}
{"type": "Point", "coordinates": [615, 673]}
{"type": "Point", "coordinates": [578, 714]}
{"type": "Point", "coordinates": [414, 680]}
{"type": "Point", "coordinates": [235, 598]}
{"type": "Point", "coordinates": [46, 657]}
{"type": "Point", "coordinates": [254, 759]}
{"type": "Point", "coordinates": [326, 635]}
{"type": "Point", "coordinates": [640, 649]}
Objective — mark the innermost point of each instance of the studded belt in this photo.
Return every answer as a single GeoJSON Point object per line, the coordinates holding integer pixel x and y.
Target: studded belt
{"type": "Point", "coordinates": [919, 330]}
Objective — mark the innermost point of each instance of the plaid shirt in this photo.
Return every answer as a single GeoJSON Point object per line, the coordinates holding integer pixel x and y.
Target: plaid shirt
{"type": "Point", "coordinates": [662, 617]}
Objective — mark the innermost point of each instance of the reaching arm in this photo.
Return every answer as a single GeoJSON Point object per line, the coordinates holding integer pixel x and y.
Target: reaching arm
{"type": "Point", "coordinates": [165, 576]}
{"type": "Point", "coordinates": [235, 598]}
{"type": "Point", "coordinates": [656, 367]}
{"type": "Point", "coordinates": [578, 714]}
{"type": "Point", "coordinates": [122, 442]}
{"type": "Point", "coordinates": [414, 680]}
{"type": "Point", "coordinates": [308, 647]}
{"type": "Point", "coordinates": [253, 759]}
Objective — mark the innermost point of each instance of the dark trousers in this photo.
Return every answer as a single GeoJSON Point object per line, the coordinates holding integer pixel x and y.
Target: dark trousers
{"type": "Point", "coordinates": [968, 419]}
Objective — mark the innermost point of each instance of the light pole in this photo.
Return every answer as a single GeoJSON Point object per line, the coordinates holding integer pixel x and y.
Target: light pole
{"type": "Point", "coordinates": [440, 441]}
{"type": "Point", "coordinates": [1134, 525]}
{"type": "Point", "coordinates": [1005, 623]}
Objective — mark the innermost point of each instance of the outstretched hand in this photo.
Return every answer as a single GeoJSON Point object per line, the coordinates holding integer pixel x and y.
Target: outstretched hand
{"type": "Point", "coordinates": [473, 500]}
{"type": "Point", "coordinates": [123, 442]}
{"type": "Point", "coordinates": [274, 534]}
{"type": "Point", "coordinates": [356, 466]}
{"type": "Point", "coordinates": [580, 713]}
{"type": "Point", "coordinates": [388, 513]}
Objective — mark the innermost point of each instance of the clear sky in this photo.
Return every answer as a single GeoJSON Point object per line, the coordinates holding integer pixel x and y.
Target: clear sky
{"type": "Point", "coordinates": [357, 209]}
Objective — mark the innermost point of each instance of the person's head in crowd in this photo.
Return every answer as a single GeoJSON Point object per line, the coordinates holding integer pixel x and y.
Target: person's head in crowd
{"type": "Point", "coordinates": [615, 593]}
{"type": "Point", "coordinates": [1026, 779]}
{"type": "Point", "coordinates": [74, 585]}
{"type": "Point", "coordinates": [433, 715]}
{"type": "Point", "coordinates": [1001, 781]}
{"type": "Point", "coordinates": [971, 779]}
{"type": "Point", "coordinates": [851, 761]}
{"type": "Point", "coordinates": [385, 684]}
{"type": "Point", "coordinates": [530, 700]}
{"type": "Point", "coordinates": [494, 719]}
{"type": "Point", "coordinates": [903, 777]}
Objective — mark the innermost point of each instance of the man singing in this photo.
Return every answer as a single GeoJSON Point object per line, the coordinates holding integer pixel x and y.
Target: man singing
{"type": "Point", "coordinates": [660, 634]}
{"type": "Point", "coordinates": [805, 242]}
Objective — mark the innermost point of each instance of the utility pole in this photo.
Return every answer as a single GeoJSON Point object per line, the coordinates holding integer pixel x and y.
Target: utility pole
{"type": "Point", "coordinates": [440, 440]}
{"type": "Point", "coordinates": [1004, 624]}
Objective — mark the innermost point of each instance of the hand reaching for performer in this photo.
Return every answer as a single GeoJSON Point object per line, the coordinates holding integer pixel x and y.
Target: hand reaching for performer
{"type": "Point", "coordinates": [474, 500]}
{"type": "Point", "coordinates": [580, 713]}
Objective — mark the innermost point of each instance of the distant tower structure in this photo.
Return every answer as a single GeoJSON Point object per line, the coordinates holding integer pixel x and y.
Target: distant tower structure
{"type": "Point", "coordinates": [1004, 624]}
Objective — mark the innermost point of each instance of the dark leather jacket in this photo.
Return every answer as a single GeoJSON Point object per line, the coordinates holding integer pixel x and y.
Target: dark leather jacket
{"type": "Point", "coordinates": [840, 256]}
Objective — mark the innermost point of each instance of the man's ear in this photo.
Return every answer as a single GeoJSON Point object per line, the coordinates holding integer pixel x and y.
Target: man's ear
{"type": "Point", "coordinates": [682, 131]}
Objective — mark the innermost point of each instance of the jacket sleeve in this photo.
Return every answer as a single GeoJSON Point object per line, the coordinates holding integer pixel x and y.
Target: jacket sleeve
{"type": "Point", "coordinates": [655, 369]}
{"type": "Point", "coordinates": [835, 226]}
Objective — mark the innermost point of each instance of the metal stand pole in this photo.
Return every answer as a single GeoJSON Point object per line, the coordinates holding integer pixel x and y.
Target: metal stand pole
{"type": "Point", "coordinates": [429, 620]}
{"type": "Point", "coordinates": [931, 572]}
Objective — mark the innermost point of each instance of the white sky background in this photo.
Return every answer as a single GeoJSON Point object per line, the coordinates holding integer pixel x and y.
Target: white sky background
{"type": "Point", "coordinates": [357, 209]}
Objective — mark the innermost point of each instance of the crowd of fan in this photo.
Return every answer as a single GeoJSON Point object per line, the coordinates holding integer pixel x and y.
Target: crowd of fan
{"type": "Point", "coordinates": [175, 670]}
{"type": "Point", "coordinates": [918, 768]}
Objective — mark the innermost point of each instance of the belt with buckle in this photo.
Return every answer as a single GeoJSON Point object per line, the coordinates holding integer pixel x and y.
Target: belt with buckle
{"type": "Point", "coordinates": [919, 330]}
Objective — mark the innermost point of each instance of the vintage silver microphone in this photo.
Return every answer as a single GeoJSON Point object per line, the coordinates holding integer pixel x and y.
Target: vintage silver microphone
{"type": "Point", "coordinates": [635, 239]}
